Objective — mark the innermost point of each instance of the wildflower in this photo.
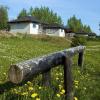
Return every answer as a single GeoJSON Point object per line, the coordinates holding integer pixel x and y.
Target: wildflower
{"type": "Point", "coordinates": [37, 98]}
{"type": "Point", "coordinates": [29, 83]}
{"type": "Point", "coordinates": [4, 73]}
{"type": "Point", "coordinates": [57, 78]}
{"type": "Point", "coordinates": [57, 74]}
{"type": "Point", "coordinates": [58, 95]}
{"type": "Point", "coordinates": [84, 88]}
{"type": "Point", "coordinates": [63, 91]}
{"type": "Point", "coordinates": [30, 88]}
{"type": "Point", "coordinates": [40, 87]}
{"type": "Point", "coordinates": [60, 86]}
{"type": "Point", "coordinates": [75, 98]}
{"type": "Point", "coordinates": [76, 86]}
{"type": "Point", "coordinates": [24, 93]}
{"type": "Point", "coordinates": [34, 95]}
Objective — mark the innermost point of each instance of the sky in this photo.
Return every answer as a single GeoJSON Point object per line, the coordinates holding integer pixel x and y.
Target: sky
{"type": "Point", "coordinates": [86, 10]}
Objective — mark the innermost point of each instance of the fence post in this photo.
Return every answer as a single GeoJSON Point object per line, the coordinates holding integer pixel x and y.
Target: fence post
{"type": "Point", "coordinates": [68, 78]}
{"type": "Point", "coordinates": [80, 59]}
{"type": "Point", "coordinates": [46, 78]}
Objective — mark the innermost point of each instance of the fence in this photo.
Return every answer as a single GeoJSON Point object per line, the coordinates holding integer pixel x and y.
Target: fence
{"type": "Point", "coordinates": [25, 70]}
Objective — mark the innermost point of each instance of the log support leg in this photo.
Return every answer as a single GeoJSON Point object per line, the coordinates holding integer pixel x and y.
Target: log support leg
{"type": "Point", "coordinates": [46, 78]}
{"type": "Point", "coordinates": [80, 59]}
{"type": "Point", "coordinates": [68, 79]}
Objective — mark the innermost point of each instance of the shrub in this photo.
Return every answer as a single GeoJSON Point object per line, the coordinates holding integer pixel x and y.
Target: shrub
{"type": "Point", "coordinates": [78, 40]}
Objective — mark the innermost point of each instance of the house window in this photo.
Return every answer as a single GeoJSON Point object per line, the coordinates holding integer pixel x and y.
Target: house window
{"type": "Point", "coordinates": [61, 30]}
{"type": "Point", "coordinates": [34, 25]}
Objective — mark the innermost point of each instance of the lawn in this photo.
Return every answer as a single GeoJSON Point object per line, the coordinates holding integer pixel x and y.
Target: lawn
{"type": "Point", "coordinates": [20, 48]}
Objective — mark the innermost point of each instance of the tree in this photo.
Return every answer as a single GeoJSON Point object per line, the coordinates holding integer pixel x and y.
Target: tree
{"type": "Point", "coordinates": [77, 26]}
{"type": "Point", "coordinates": [22, 13]}
{"type": "Point", "coordinates": [3, 17]}
{"type": "Point", "coordinates": [46, 15]}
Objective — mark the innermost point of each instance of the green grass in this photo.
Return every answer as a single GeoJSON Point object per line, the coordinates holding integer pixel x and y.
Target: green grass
{"type": "Point", "coordinates": [20, 48]}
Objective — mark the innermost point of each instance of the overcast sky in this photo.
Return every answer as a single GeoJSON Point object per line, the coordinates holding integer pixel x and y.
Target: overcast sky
{"type": "Point", "coordinates": [87, 10]}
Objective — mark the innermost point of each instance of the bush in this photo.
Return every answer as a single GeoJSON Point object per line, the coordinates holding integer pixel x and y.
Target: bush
{"type": "Point", "coordinates": [78, 40]}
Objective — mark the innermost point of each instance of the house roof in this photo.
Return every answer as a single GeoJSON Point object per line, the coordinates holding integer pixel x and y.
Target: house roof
{"type": "Point", "coordinates": [54, 26]}
{"type": "Point", "coordinates": [81, 33]}
{"type": "Point", "coordinates": [25, 19]}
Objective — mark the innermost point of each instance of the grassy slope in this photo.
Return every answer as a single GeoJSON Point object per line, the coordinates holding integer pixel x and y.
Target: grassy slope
{"type": "Point", "coordinates": [13, 50]}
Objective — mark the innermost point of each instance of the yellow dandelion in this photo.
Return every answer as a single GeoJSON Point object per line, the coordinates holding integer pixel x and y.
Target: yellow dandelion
{"type": "Point", "coordinates": [75, 98]}
{"type": "Point", "coordinates": [4, 73]}
{"type": "Point", "coordinates": [63, 91]}
{"type": "Point", "coordinates": [40, 87]}
{"type": "Point", "coordinates": [58, 95]}
{"type": "Point", "coordinates": [30, 88]}
{"type": "Point", "coordinates": [57, 78]}
{"type": "Point", "coordinates": [57, 74]}
{"type": "Point", "coordinates": [24, 93]}
{"type": "Point", "coordinates": [84, 88]}
{"type": "Point", "coordinates": [29, 83]}
{"type": "Point", "coordinates": [34, 95]}
{"type": "Point", "coordinates": [60, 74]}
{"type": "Point", "coordinates": [37, 98]}
{"type": "Point", "coordinates": [76, 86]}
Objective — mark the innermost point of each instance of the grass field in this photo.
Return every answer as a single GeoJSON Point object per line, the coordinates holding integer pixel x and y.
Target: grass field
{"type": "Point", "coordinates": [16, 49]}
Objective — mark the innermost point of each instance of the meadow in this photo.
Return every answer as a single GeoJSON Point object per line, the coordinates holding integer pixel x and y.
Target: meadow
{"type": "Point", "coordinates": [14, 49]}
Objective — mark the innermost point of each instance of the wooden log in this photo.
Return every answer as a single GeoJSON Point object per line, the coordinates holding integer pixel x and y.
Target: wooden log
{"type": "Point", "coordinates": [80, 59]}
{"type": "Point", "coordinates": [68, 83]}
{"type": "Point", "coordinates": [46, 78]}
{"type": "Point", "coordinates": [26, 69]}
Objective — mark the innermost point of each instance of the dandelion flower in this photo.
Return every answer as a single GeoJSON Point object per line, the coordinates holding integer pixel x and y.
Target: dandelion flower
{"type": "Point", "coordinates": [57, 78]}
{"type": "Point", "coordinates": [24, 93]}
{"type": "Point", "coordinates": [37, 98]}
{"type": "Point", "coordinates": [75, 98]}
{"type": "Point", "coordinates": [30, 88]}
{"type": "Point", "coordinates": [40, 87]}
{"type": "Point", "coordinates": [58, 95]}
{"type": "Point", "coordinates": [29, 83]}
{"type": "Point", "coordinates": [34, 95]}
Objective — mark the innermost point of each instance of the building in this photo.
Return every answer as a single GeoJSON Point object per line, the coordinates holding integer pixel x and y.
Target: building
{"type": "Point", "coordinates": [31, 25]}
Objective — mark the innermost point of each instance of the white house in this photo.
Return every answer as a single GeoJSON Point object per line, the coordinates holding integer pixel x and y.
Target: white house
{"type": "Point", "coordinates": [31, 25]}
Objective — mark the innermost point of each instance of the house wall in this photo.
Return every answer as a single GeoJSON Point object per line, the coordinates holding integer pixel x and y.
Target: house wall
{"type": "Point", "coordinates": [20, 27]}
{"type": "Point", "coordinates": [55, 32]}
{"type": "Point", "coordinates": [34, 28]}
{"type": "Point", "coordinates": [61, 33]}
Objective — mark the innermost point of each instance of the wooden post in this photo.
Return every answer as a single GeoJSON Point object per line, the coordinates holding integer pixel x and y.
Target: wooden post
{"type": "Point", "coordinates": [68, 78]}
{"type": "Point", "coordinates": [80, 59]}
{"type": "Point", "coordinates": [46, 78]}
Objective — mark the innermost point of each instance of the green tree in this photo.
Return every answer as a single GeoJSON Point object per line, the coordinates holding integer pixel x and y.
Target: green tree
{"type": "Point", "coordinates": [23, 13]}
{"type": "Point", "coordinates": [77, 26]}
{"type": "Point", "coordinates": [3, 17]}
{"type": "Point", "coordinates": [46, 15]}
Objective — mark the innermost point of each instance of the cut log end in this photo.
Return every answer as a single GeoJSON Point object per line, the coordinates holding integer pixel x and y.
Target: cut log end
{"type": "Point", "coordinates": [15, 74]}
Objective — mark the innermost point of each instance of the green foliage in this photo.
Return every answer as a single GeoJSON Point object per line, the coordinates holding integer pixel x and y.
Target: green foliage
{"type": "Point", "coordinates": [22, 13]}
{"type": "Point", "coordinates": [44, 14]}
{"type": "Point", "coordinates": [78, 40]}
{"type": "Point", "coordinates": [3, 17]}
{"type": "Point", "coordinates": [77, 26]}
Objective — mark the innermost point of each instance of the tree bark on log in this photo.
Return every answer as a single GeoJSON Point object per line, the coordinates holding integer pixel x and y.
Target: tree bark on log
{"type": "Point", "coordinates": [26, 69]}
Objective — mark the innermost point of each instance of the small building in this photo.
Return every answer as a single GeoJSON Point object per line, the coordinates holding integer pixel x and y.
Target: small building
{"type": "Point", "coordinates": [55, 30]}
{"type": "Point", "coordinates": [31, 25]}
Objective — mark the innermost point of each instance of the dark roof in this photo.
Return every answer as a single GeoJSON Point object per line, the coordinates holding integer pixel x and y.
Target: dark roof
{"type": "Point", "coordinates": [25, 19]}
{"type": "Point", "coordinates": [81, 33]}
{"type": "Point", "coordinates": [92, 34]}
{"type": "Point", "coordinates": [54, 26]}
